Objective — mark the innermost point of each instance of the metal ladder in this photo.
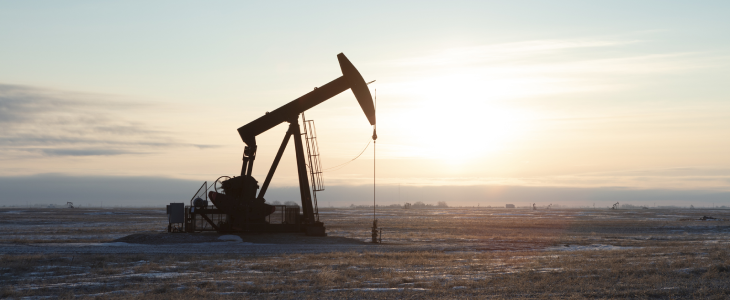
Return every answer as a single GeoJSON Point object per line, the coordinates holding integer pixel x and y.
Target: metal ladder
{"type": "Point", "coordinates": [315, 165]}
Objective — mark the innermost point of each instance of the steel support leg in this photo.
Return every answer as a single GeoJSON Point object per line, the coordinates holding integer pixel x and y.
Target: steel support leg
{"type": "Point", "coordinates": [275, 164]}
{"type": "Point", "coordinates": [302, 171]}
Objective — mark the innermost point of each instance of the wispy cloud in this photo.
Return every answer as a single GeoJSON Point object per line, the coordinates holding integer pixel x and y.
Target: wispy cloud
{"type": "Point", "coordinates": [540, 67]}
{"type": "Point", "coordinates": [569, 55]}
{"type": "Point", "coordinates": [514, 95]}
{"type": "Point", "coordinates": [56, 123]}
{"type": "Point", "coordinates": [83, 152]}
{"type": "Point", "coordinates": [699, 182]}
{"type": "Point", "coordinates": [503, 53]}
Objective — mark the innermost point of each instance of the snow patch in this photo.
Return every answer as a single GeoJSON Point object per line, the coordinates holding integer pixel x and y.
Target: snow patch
{"type": "Point", "coordinates": [116, 244]}
{"type": "Point", "coordinates": [379, 289]}
{"type": "Point", "coordinates": [588, 247]}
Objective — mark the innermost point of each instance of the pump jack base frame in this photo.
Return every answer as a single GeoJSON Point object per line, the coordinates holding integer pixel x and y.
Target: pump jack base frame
{"type": "Point", "coordinates": [314, 230]}
{"type": "Point", "coordinates": [214, 217]}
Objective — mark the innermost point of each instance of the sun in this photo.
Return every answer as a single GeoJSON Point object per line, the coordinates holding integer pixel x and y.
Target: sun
{"type": "Point", "coordinates": [456, 135]}
{"type": "Point", "coordinates": [457, 123]}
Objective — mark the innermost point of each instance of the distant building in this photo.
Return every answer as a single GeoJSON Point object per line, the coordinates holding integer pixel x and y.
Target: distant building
{"type": "Point", "coordinates": [510, 206]}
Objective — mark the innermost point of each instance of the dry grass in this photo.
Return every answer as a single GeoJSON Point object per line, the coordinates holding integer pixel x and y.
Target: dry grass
{"type": "Point", "coordinates": [640, 273]}
{"type": "Point", "coordinates": [78, 225]}
{"type": "Point", "coordinates": [668, 255]}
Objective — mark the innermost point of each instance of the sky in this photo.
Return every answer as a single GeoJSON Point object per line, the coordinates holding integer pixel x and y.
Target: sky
{"type": "Point", "coordinates": [472, 96]}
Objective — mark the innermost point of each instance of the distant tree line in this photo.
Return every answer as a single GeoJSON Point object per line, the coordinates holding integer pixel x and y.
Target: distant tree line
{"type": "Point", "coordinates": [382, 206]}
{"type": "Point", "coordinates": [419, 204]}
{"type": "Point", "coordinates": [287, 203]}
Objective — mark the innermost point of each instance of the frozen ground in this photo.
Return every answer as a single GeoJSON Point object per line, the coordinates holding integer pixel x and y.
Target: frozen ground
{"type": "Point", "coordinates": [454, 252]}
{"type": "Point", "coordinates": [454, 229]}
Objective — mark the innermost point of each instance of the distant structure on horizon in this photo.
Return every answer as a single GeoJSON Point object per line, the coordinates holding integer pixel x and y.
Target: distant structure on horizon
{"type": "Point", "coordinates": [510, 206]}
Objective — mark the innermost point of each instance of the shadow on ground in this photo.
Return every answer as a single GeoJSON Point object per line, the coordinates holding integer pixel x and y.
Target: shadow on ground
{"type": "Point", "coordinates": [268, 238]}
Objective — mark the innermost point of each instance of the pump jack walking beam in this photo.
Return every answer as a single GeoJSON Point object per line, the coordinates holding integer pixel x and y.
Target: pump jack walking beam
{"type": "Point", "coordinates": [350, 79]}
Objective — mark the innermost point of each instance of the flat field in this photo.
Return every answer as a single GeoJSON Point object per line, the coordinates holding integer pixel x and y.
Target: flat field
{"type": "Point", "coordinates": [125, 253]}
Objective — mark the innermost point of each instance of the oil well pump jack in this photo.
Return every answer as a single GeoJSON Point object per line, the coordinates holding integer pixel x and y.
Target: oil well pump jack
{"type": "Point", "coordinates": [238, 207]}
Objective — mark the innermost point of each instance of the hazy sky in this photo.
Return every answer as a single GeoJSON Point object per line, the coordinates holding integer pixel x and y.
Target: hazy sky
{"type": "Point", "coordinates": [564, 94]}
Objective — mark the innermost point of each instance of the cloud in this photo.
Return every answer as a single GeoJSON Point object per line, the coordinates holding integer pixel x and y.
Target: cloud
{"type": "Point", "coordinates": [505, 52]}
{"type": "Point", "coordinates": [667, 172]}
{"type": "Point", "coordinates": [93, 190]}
{"type": "Point", "coordinates": [535, 68]}
{"type": "Point", "coordinates": [20, 104]}
{"type": "Point", "coordinates": [57, 123]}
{"type": "Point", "coordinates": [561, 56]}
{"type": "Point", "coordinates": [84, 152]}
{"type": "Point", "coordinates": [670, 179]}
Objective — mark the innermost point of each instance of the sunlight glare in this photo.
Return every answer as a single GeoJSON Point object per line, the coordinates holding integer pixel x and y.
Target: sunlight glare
{"type": "Point", "coordinates": [455, 119]}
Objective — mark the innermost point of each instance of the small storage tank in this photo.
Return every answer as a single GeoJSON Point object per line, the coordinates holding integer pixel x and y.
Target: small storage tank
{"type": "Point", "coordinates": [175, 215]}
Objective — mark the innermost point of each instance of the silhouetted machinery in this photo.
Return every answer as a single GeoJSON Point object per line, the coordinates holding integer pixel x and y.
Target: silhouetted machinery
{"type": "Point", "coordinates": [238, 207]}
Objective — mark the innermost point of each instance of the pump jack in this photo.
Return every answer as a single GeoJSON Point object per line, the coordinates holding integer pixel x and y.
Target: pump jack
{"type": "Point", "coordinates": [242, 209]}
